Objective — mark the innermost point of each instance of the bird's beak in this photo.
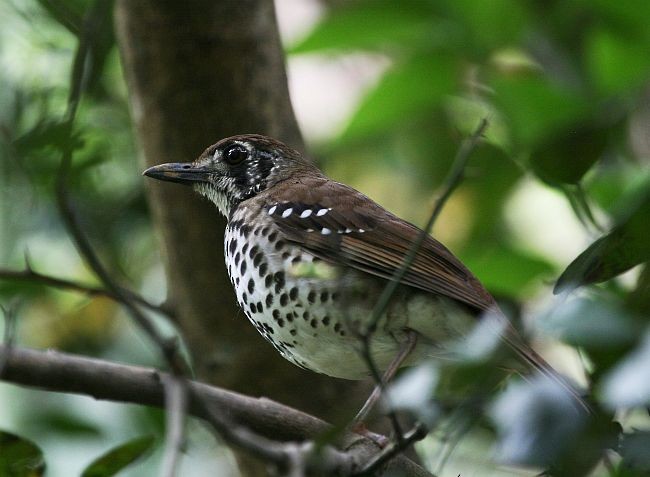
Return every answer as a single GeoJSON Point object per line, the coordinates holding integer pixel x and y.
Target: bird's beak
{"type": "Point", "coordinates": [182, 172]}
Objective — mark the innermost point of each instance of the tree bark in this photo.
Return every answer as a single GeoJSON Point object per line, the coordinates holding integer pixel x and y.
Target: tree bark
{"type": "Point", "coordinates": [198, 71]}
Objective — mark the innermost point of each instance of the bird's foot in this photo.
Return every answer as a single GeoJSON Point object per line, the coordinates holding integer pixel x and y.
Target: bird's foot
{"type": "Point", "coordinates": [379, 439]}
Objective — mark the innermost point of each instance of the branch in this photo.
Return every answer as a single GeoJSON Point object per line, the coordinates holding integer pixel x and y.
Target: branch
{"type": "Point", "coordinates": [271, 421]}
{"type": "Point", "coordinates": [29, 275]}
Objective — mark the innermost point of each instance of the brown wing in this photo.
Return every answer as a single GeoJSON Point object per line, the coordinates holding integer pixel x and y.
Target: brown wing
{"type": "Point", "coordinates": [338, 223]}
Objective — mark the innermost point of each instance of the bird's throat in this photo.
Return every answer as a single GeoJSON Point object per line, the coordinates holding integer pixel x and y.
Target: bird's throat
{"type": "Point", "coordinates": [221, 199]}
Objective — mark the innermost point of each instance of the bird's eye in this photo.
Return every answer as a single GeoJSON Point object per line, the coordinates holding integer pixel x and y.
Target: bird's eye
{"type": "Point", "coordinates": [235, 154]}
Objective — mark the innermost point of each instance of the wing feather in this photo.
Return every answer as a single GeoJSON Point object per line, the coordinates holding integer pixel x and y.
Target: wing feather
{"type": "Point", "coordinates": [360, 233]}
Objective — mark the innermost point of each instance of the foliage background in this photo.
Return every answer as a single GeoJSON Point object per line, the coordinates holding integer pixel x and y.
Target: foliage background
{"type": "Point", "coordinates": [564, 85]}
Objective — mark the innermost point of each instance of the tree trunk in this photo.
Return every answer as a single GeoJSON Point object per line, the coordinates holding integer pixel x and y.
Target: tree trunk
{"type": "Point", "coordinates": [198, 71]}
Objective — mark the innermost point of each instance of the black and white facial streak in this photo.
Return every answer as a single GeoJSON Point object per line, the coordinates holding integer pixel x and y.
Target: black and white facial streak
{"type": "Point", "coordinates": [232, 183]}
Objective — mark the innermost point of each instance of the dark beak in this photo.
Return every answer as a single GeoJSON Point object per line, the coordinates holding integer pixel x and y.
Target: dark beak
{"type": "Point", "coordinates": [182, 172]}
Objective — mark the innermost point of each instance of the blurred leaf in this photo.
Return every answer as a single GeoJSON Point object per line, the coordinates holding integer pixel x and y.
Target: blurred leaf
{"type": "Point", "coordinates": [484, 340]}
{"type": "Point", "coordinates": [405, 92]}
{"type": "Point", "coordinates": [78, 15]}
{"type": "Point", "coordinates": [505, 270]}
{"type": "Point", "coordinates": [535, 108]}
{"type": "Point", "coordinates": [119, 457]}
{"type": "Point", "coordinates": [514, 61]}
{"type": "Point", "coordinates": [62, 422]}
{"type": "Point", "coordinates": [616, 64]}
{"type": "Point", "coordinates": [46, 133]}
{"type": "Point", "coordinates": [413, 391]}
{"type": "Point", "coordinates": [591, 323]}
{"type": "Point", "coordinates": [486, 24]}
{"type": "Point", "coordinates": [26, 290]}
{"type": "Point", "coordinates": [20, 457]}
{"type": "Point", "coordinates": [628, 384]}
{"type": "Point", "coordinates": [151, 418]}
{"type": "Point", "coordinates": [536, 422]}
{"type": "Point", "coordinates": [466, 113]}
{"type": "Point", "coordinates": [616, 182]}
{"type": "Point", "coordinates": [491, 175]}
{"type": "Point", "coordinates": [375, 24]}
{"type": "Point", "coordinates": [626, 246]}
{"type": "Point", "coordinates": [638, 300]}
{"type": "Point", "coordinates": [635, 450]}
{"type": "Point", "coordinates": [568, 155]}
{"type": "Point", "coordinates": [68, 13]}
{"type": "Point", "coordinates": [629, 17]}
{"type": "Point", "coordinates": [100, 19]}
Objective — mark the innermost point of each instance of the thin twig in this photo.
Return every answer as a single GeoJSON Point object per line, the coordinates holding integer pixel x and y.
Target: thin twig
{"type": "Point", "coordinates": [380, 385]}
{"type": "Point", "coordinates": [452, 181]}
{"type": "Point", "coordinates": [453, 438]}
{"type": "Point", "coordinates": [176, 404]}
{"type": "Point", "coordinates": [167, 347]}
{"type": "Point", "coordinates": [30, 275]}
{"type": "Point", "coordinates": [9, 334]}
{"type": "Point", "coordinates": [454, 178]}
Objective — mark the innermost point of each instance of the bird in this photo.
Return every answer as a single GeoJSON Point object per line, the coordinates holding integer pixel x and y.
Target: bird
{"type": "Point", "coordinates": [309, 257]}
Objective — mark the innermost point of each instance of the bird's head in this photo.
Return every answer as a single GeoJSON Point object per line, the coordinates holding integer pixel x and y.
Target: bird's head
{"type": "Point", "coordinates": [235, 169]}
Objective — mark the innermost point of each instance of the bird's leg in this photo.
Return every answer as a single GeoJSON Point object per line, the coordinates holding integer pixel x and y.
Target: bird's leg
{"type": "Point", "coordinates": [405, 349]}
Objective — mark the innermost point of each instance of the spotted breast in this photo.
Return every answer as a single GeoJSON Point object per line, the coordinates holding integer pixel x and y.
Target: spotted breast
{"type": "Point", "coordinates": [306, 307]}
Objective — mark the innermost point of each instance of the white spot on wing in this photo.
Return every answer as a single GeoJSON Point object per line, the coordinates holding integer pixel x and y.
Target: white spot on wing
{"type": "Point", "coordinates": [322, 212]}
{"type": "Point", "coordinates": [272, 209]}
{"type": "Point", "coordinates": [305, 214]}
{"type": "Point", "coordinates": [287, 213]}
{"type": "Point", "coordinates": [361, 231]}
{"type": "Point", "coordinates": [326, 231]}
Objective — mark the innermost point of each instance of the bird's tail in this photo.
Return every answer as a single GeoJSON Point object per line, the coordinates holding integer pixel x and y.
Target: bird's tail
{"type": "Point", "coordinates": [535, 362]}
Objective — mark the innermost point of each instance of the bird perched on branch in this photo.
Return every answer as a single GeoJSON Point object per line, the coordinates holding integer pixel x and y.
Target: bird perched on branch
{"type": "Point", "coordinates": [309, 257]}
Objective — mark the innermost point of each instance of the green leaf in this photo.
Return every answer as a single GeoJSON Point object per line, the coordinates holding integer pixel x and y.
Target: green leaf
{"type": "Point", "coordinates": [628, 384]}
{"type": "Point", "coordinates": [535, 108]}
{"type": "Point", "coordinates": [536, 421]}
{"type": "Point", "coordinates": [616, 181]}
{"type": "Point", "coordinates": [629, 17]}
{"type": "Point", "coordinates": [487, 25]}
{"type": "Point", "coordinates": [505, 271]}
{"type": "Point", "coordinates": [492, 176]}
{"type": "Point", "coordinates": [119, 457]}
{"type": "Point", "coordinates": [569, 155]}
{"type": "Point", "coordinates": [634, 450]}
{"type": "Point", "coordinates": [20, 457]}
{"type": "Point", "coordinates": [638, 300]}
{"type": "Point", "coordinates": [413, 391]}
{"type": "Point", "coordinates": [62, 422]}
{"type": "Point", "coordinates": [626, 246]}
{"type": "Point", "coordinates": [615, 63]}
{"type": "Point", "coordinates": [100, 15]}
{"type": "Point", "coordinates": [376, 24]}
{"type": "Point", "coordinates": [46, 133]}
{"type": "Point", "coordinates": [405, 92]}
{"type": "Point", "coordinates": [67, 13]}
{"type": "Point", "coordinates": [594, 324]}
{"type": "Point", "coordinates": [466, 112]}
